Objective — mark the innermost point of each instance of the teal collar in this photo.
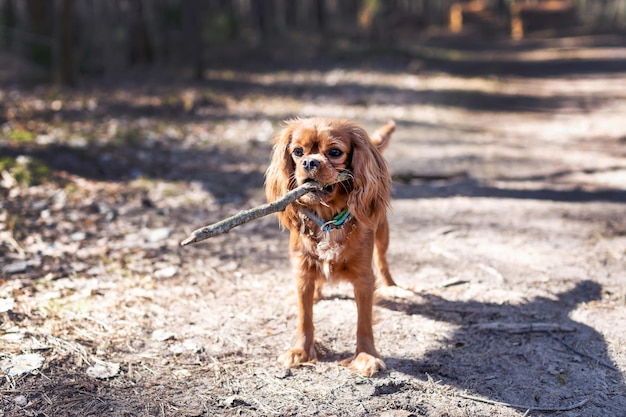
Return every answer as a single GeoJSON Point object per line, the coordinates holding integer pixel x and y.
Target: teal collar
{"type": "Point", "coordinates": [336, 222]}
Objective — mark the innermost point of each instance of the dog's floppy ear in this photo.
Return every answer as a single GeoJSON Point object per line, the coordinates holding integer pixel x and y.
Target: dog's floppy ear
{"type": "Point", "coordinates": [370, 196]}
{"type": "Point", "coordinates": [280, 175]}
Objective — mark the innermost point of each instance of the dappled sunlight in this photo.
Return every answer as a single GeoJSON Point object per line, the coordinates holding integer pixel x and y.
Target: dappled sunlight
{"type": "Point", "coordinates": [507, 222]}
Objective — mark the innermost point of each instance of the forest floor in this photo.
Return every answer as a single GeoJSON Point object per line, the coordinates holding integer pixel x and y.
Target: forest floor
{"type": "Point", "coordinates": [508, 223]}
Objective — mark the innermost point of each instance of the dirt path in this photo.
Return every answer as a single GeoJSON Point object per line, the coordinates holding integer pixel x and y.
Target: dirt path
{"type": "Point", "coordinates": [508, 223]}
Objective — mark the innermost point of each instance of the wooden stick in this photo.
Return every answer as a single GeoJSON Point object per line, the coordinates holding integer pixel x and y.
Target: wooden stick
{"type": "Point", "coordinates": [517, 328]}
{"type": "Point", "coordinates": [584, 355]}
{"type": "Point", "coordinates": [246, 216]}
{"type": "Point", "coordinates": [525, 407]}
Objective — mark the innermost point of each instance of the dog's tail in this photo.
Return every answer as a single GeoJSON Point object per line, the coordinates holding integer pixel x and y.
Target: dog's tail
{"type": "Point", "coordinates": [381, 137]}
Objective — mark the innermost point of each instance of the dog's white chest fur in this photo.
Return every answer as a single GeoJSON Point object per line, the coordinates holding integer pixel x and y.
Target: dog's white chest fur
{"type": "Point", "coordinates": [327, 249]}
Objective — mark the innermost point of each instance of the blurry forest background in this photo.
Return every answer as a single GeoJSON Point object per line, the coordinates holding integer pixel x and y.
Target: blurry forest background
{"type": "Point", "coordinates": [127, 124]}
{"type": "Point", "coordinates": [105, 38]}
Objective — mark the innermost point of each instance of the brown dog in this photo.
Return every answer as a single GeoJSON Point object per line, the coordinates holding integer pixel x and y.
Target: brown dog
{"type": "Point", "coordinates": [335, 233]}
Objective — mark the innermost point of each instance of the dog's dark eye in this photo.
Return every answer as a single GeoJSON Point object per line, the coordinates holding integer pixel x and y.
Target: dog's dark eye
{"type": "Point", "coordinates": [335, 153]}
{"type": "Point", "coordinates": [298, 152]}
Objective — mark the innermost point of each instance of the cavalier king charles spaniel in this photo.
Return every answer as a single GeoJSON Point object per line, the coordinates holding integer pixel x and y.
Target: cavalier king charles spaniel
{"type": "Point", "coordinates": [338, 232]}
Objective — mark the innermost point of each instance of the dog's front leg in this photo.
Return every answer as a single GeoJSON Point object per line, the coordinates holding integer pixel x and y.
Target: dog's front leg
{"type": "Point", "coordinates": [304, 348]}
{"type": "Point", "coordinates": [366, 360]}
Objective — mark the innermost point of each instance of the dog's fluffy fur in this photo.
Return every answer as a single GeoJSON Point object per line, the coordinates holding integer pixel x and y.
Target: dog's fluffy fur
{"type": "Point", "coordinates": [318, 149]}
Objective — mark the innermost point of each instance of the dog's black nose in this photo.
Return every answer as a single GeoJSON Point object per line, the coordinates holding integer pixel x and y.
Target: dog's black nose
{"type": "Point", "coordinates": [310, 164]}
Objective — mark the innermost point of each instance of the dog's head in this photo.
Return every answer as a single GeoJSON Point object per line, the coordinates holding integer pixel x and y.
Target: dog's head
{"type": "Point", "coordinates": [318, 150]}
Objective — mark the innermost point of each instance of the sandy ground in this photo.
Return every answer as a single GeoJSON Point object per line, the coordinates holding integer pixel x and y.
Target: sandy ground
{"type": "Point", "coordinates": [507, 223]}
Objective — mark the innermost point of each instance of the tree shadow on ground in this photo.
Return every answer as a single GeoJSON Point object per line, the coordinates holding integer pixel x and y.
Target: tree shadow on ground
{"type": "Point", "coordinates": [561, 56]}
{"type": "Point", "coordinates": [208, 107]}
{"type": "Point", "coordinates": [457, 55]}
{"type": "Point", "coordinates": [497, 353]}
{"type": "Point", "coordinates": [562, 67]}
{"type": "Point", "coordinates": [181, 100]}
{"type": "Point", "coordinates": [356, 94]}
{"type": "Point", "coordinates": [219, 170]}
{"type": "Point", "coordinates": [462, 185]}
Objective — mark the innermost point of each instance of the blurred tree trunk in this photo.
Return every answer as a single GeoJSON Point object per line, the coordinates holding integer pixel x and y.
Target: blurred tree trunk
{"type": "Point", "coordinates": [291, 14]}
{"type": "Point", "coordinates": [192, 30]}
{"type": "Point", "coordinates": [141, 50]}
{"type": "Point", "coordinates": [36, 34]}
{"type": "Point", "coordinates": [349, 10]}
{"type": "Point", "coordinates": [426, 13]}
{"type": "Point", "coordinates": [369, 9]}
{"type": "Point", "coordinates": [320, 13]}
{"type": "Point", "coordinates": [153, 29]}
{"type": "Point", "coordinates": [63, 43]}
{"type": "Point", "coordinates": [263, 10]}
{"type": "Point", "coordinates": [9, 20]}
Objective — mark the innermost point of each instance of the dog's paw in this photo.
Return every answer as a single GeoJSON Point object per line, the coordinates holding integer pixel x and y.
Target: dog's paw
{"type": "Point", "coordinates": [365, 364]}
{"type": "Point", "coordinates": [295, 357]}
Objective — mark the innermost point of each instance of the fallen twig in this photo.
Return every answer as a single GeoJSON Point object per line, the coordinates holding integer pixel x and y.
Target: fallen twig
{"type": "Point", "coordinates": [517, 328]}
{"type": "Point", "coordinates": [452, 282]}
{"type": "Point", "coordinates": [246, 216]}
{"type": "Point", "coordinates": [584, 355]}
{"type": "Point", "coordinates": [526, 407]}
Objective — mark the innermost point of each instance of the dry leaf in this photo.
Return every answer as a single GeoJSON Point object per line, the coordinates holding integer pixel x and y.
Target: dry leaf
{"type": "Point", "coordinates": [104, 370]}
{"type": "Point", "coordinates": [21, 364]}
{"type": "Point", "coordinates": [6, 304]}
